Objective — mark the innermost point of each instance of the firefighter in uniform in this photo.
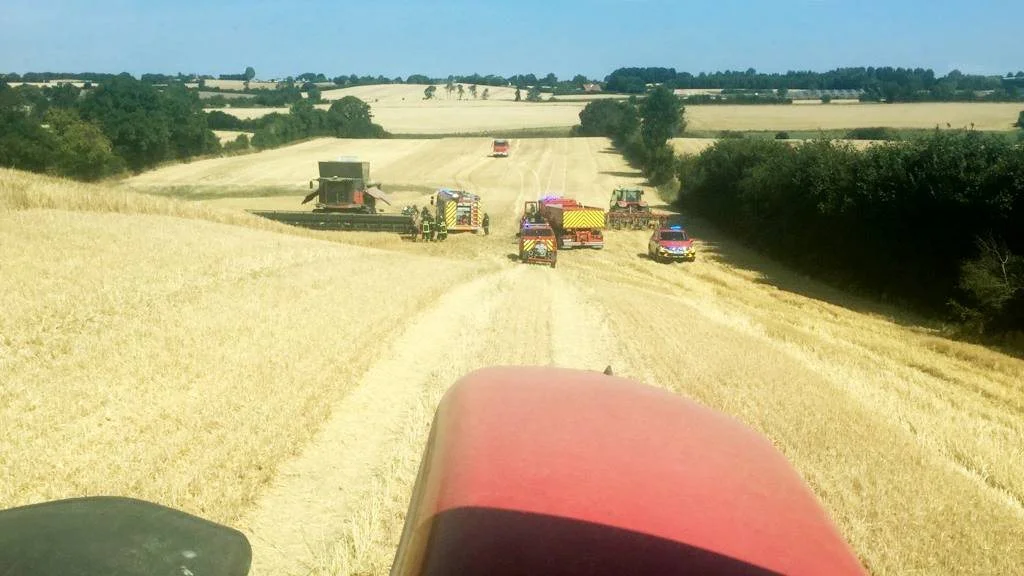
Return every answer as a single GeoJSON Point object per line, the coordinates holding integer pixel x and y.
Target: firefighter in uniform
{"type": "Point", "coordinates": [442, 228]}
{"type": "Point", "coordinates": [487, 224]}
{"type": "Point", "coordinates": [428, 232]}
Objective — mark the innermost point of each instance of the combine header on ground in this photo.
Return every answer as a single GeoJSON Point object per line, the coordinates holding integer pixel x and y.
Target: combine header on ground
{"type": "Point", "coordinates": [346, 199]}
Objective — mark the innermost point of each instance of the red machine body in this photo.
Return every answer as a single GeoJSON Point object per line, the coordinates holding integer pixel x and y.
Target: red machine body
{"type": "Point", "coordinates": [555, 471]}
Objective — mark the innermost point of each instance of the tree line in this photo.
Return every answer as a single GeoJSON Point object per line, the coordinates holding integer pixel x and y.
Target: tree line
{"type": "Point", "coordinates": [549, 82]}
{"type": "Point", "coordinates": [640, 129]}
{"type": "Point", "coordinates": [124, 124]}
{"type": "Point", "coordinates": [888, 83]}
{"type": "Point", "coordinates": [935, 223]}
{"type": "Point", "coordinates": [348, 117]}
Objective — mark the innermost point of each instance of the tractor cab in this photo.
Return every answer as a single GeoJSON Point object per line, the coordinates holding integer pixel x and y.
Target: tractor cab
{"type": "Point", "coordinates": [344, 186]}
{"type": "Point", "coordinates": [531, 214]}
{"type": "Point", "coordinates": [627, 210]}
{"type": "Point", "coordinates": [628, 198]}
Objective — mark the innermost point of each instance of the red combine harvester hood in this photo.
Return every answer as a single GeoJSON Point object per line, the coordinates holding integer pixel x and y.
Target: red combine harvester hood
{"type": "Point", "coordinates": [554, 471]}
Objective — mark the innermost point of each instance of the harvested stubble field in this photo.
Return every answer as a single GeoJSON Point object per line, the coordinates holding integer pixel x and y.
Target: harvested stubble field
{"type": "Point", "coordinates": [283, 381]}
{"type": "Point", "coordinates": [984, 116]}
{"type": "Point", "coordinates": [401, 109]}
{"type": "Point", "coordinates": [694, 146]}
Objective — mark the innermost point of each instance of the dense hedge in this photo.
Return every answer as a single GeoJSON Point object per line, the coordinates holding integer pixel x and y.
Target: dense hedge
{"type": "Point", "coordinates": [348, 117]}
{"type": "Point", "coordinates": [122, 123]}
{"type": "Point", "coordinates": [936, 222]}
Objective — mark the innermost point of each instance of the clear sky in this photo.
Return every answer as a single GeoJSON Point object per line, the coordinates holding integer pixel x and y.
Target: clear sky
{"type": "Point", "coordinates": [506, 36]}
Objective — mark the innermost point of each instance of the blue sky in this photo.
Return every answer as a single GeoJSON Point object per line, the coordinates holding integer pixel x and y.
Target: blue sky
{"type": "Point", "coordinates": [506, 36]}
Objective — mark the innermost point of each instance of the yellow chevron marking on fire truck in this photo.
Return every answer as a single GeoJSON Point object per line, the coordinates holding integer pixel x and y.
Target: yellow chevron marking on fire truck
{"type": "Point", "coordinates": [529, 244]}
{"type": "Point", "coordinates": [583, 219]}
{"type": "Point", "coordinates": [449, 214]}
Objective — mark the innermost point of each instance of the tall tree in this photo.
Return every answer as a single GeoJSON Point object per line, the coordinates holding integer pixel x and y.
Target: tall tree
{"type": "Point", "coordinates": [472, 91]}
{"type": "Point", "coordinates": [461, 91]}
{"type": "Point", "coordinates": [662, 117]}
{"type": "Point", "coordinates": [81, 151]}
{"type": "Point", "coordinates": [250, 73]}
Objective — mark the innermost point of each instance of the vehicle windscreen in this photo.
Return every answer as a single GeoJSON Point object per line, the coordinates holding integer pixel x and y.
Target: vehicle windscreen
{"type": "Point", "coordinates": [674, 235]}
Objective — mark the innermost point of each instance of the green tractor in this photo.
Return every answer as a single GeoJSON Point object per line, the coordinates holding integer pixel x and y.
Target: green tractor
{"type": "Point", "coordinates": [628, 211]}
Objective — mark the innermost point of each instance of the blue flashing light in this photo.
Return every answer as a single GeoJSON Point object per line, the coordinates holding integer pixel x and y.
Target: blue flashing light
{"type": "Point", "coordinates": [675, 227]}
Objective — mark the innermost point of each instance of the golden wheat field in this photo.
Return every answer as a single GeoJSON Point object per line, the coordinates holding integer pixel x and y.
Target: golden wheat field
{"type": "Point", "coordinates": [401, 109]}
{"type": "Point", "coordinates": [283, 381]}
{"type": "Point", "coordinates": [984, 116]}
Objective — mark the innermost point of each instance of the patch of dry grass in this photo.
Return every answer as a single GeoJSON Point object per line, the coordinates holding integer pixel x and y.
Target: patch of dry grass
{"type": "Point", "coordinates": [226, 136]}
{"type": "Point", "coordinates": [176, 360]}
{"type": "Point", "coordinates": [693, 146]}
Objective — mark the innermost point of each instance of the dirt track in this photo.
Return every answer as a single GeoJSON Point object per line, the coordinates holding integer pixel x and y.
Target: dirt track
{"type": "Point", "coordinates": [911, 441]}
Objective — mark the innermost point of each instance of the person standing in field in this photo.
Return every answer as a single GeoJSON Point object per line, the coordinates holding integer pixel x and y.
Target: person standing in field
{"type": "Point", "coordinates": [487, 224]}
{"type": "Point", "coordinates": [442, 229]}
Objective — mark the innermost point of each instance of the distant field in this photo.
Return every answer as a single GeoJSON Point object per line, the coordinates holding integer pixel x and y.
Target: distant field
{"type": "Point", "coordinates": [685, 146]}
{"type": "Point", "coordinates": [230, 135]}
{"type": "Point", "coordinates": [404, 93]}
{"type": "Point", "coordinates": [453, 116]}
{"type": "Point", "coordinates": [78, 83]}
{"type": "Point", "coordinates": [235, 85]}
{"type": "Point", "coordinates": [226, 95]}
{"type": "Point", "coordinates": [401, 109]}
{"type": "Point", "coordinates": [984, 116]}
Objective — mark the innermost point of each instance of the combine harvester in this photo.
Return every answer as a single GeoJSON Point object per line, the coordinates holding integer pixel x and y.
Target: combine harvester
{"type": "Point", "coordinates": [460, 209]}
{"type": "Point", "coordinates": [346, 200]}
{"type": "Point", "coordinates": [575, 225]}
{"type": "Point", "coordinates": [628, 211]}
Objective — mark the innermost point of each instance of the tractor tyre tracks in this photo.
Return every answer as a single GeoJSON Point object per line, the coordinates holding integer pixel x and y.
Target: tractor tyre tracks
{"type": "Point", "coordinates": [312, 494]}
{"type": "Point", "coordinates": [338, 505]}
